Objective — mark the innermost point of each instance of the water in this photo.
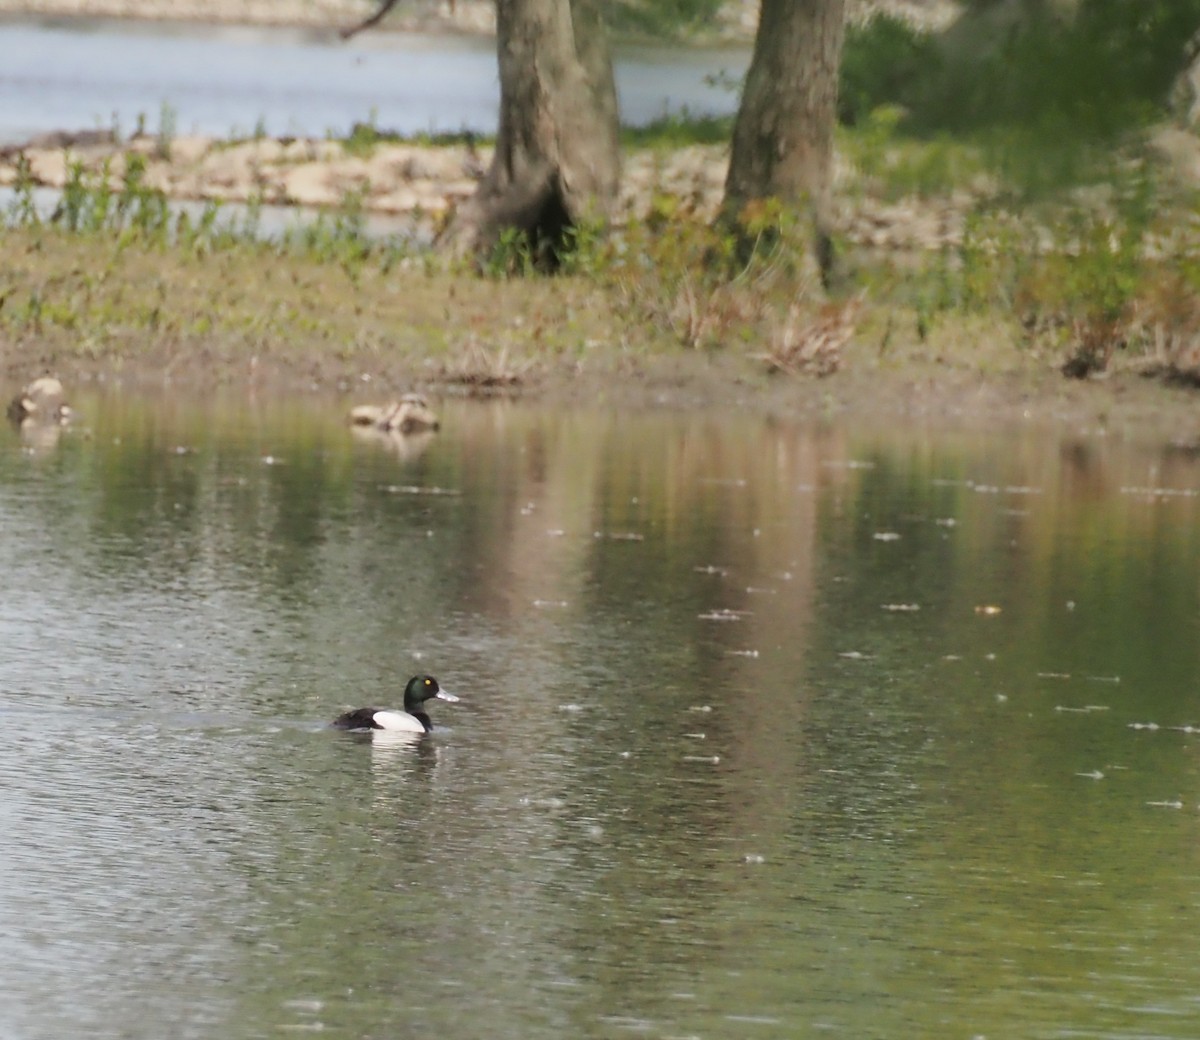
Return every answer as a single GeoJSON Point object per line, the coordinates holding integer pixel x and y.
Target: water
{"type": "Point", "coordinates": [237, 81]}
{"type": "Point", "coordinates": [768, 728]}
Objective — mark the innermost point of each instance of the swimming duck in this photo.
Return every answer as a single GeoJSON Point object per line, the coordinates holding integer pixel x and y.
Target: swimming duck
{"type": "Point", "coordinates": [42, 401]}
{"type": "Point", "coordinates": [412, 719]}
{"type": "Point", "coordinates": [410, 414]}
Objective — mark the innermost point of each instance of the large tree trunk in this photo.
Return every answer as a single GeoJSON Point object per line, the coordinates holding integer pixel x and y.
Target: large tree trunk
{"type": "Point", "coordinates": [783, 135]}
{"type": "Point", "coordinates": [557, 160]}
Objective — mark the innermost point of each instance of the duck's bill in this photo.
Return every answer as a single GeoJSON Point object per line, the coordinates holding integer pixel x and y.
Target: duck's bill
{"type": "Point", "coordinates": [442, 695]}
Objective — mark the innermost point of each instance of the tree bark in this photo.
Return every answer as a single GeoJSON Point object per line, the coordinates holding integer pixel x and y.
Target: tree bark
{"type": "Point", "coordinates": [557, 159]}
{"type": "Point", "coordinates": [783, 135]}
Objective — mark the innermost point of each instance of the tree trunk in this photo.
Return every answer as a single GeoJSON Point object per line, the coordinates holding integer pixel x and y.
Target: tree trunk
{"type": "Point", "coordinates": [557, 160]}
{"type": "Point", "coordinates": [783, 135]}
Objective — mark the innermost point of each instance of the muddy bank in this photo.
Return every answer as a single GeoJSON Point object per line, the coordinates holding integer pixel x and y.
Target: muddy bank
{"type": "Point", "coordinates": [107, 316]}
{"type": "Point", "coordinates": [913, 392]}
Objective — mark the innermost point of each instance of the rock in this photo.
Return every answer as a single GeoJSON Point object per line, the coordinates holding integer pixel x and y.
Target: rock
{"type": "Point", "coordinates": [308, 185]}
{"type": "Point", "coordinates": [48, 167]}
{"type": "Point", "coordinates": [68, 139]}
{"type": "Point", "coordinates": [190, 149]}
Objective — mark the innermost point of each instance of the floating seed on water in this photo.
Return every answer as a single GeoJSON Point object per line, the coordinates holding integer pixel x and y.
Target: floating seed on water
{"type": "Point", "coordinates": [416, 489]}
{"type": "Point", "coordinates": [886, 536]}
{"type": "Point", "coordinates": [988, 610]}
{"type": "Point", "coordinates": [1177, 804]}
{"type": "Point", "coordinates": [1144, 725]}
{"type": "Point", "coordinates": [903, 607]}
{"type": "Point", "coordinates": [854, 655]}
{"type": "Point", "coordinates": [1095, 774]}
{"type": "Point", "coordinates": [724, 615]}
{"type": "Point", "coordinates": [1160, 492]}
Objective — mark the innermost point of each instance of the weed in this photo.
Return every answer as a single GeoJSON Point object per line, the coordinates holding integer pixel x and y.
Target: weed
{"type": "Point", "coordinates": [166, 131]}
{"type": "Point", "coordinates": [511, 256]}
{"type": "Point", "coordinates": [810, 340]}
{"type": "Point", "coordinates": [584, 252]}
{"type": "Point", "coordinates": [483, 369]}
{"type": "Point", "coordinates": [23, 208]}
{"type": "Point", "coordinates": [678, 130]}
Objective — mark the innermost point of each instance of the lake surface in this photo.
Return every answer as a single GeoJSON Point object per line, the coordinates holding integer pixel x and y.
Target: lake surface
{"type": "Point", "coordinates": [238, 81]}
{"type": "Point", "coordinates": [767, 728]}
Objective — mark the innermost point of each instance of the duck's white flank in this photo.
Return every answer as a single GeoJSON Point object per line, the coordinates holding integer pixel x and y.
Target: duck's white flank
{"type": "Point", "coordinates": [398, 721]}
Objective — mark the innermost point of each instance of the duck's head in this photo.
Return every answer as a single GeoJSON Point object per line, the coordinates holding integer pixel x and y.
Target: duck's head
{"type": "Point", "coordinates": [422, 688]}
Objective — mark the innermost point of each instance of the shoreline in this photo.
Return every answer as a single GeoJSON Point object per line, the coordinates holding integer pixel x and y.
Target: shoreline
{"type": "Point", "coordinates": [735, 22]}
{"type": "Point", "coordinates": [419, 185]}
{"type": "Point", "coordinates": [924, 394]}
{"type": "Point", "coordinates": [965, 376]}
{"type": "Point", "coordinates": [119, 317]}
{"type": "Point", "coordinates": [332, 16]}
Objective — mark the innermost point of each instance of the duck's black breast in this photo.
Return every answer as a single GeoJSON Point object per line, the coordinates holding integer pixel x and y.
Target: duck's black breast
{"type": "Point", "coordinates": [359, 718]}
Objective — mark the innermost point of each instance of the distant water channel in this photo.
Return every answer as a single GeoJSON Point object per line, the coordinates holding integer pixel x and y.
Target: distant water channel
{"type": "Point", "coordinates": [768, 728]}
{"type": "Point", "coordinates": [237, 81]}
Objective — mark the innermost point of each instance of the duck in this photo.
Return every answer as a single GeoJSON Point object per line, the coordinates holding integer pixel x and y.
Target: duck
{"type": "Point", "coordinates": [410, 414]}
{"type": "Point", "coordinates": [412, 719]}
{"type": "Point", "coordinates": [42, 401]}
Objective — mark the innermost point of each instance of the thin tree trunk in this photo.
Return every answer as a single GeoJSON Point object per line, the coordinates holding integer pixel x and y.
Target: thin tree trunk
{"type": "Point", "coordinates": [783, 135]}
{"type": "Point", "coordinates": [557, 159]}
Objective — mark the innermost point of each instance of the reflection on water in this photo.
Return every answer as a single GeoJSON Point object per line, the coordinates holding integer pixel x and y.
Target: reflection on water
{"type": "Point", "coordinates": [767, 728]}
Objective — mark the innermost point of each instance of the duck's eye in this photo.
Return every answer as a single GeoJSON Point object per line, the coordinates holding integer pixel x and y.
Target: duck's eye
{"type": "Point", "coordinates": [428, 682]}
